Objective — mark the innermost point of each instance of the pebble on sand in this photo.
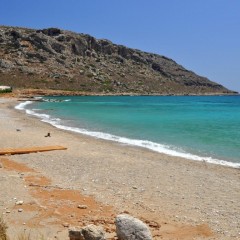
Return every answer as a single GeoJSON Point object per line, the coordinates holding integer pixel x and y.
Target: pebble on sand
{"type": "Point", "coordinates": [66, 224]}
{"type": "Point", "coordinates": [19, 202]}
{"type": "Point", "coordinates": [82, 206]}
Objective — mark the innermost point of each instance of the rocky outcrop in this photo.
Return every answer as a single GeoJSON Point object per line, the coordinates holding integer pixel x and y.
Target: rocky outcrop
{"type": "Point", "coordinates": [57, 59]}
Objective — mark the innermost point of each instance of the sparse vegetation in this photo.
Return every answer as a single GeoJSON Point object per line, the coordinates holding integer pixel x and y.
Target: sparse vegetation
{"type": "Point", "coordinates": [21, 236]}
{"type": "Point", "coordinates": [6, 91]}
{"type": "Point", "coordinates": [3, 230]}
{"type": "Point", "coordinates": [27, 236]}
{"type": "Point", "coordinates": [87, 59]}
{"type": "Point", "coordinates": [24, 236]}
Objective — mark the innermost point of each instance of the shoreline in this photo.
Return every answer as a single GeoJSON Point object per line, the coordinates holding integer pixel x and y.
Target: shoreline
{"type": "Point", "coordinates": [30, 93]}
{"type": "Point", "coordinates": [145, 183]}
{"type": "Point", "coordinates": [146, 144]}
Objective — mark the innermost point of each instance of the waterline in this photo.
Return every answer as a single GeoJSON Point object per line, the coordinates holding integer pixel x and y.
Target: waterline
{"type": "Point", "coordinates": [161, 148]}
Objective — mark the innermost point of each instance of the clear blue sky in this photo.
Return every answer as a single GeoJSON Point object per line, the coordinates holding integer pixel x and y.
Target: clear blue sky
{"type": "Point", "coordinates": [201, 35]}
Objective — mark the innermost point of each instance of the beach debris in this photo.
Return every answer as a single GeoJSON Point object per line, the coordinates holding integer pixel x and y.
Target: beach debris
{"type": "Point", "coordinates": [12, 151]}
{"type": "Point", "coordinates": [82, 206]}
{"type": "Point", "coordinates": [18, 130]}
{"type": "Point", "coordinates": [48, 134]}
{"type": "Point", "coordinates": [128, 228]}
{"type": "Point", "coordinates": [19, 202]}
{"type": "Point", "coordinates": [90, 232]}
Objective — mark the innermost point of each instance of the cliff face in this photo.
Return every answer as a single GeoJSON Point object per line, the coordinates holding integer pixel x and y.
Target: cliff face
{"type": "Point", "coordinates": [56, 59]}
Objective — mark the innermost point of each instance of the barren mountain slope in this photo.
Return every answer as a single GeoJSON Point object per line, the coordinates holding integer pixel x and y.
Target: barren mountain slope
{"type": "Point", "coordinates": [57, 59]}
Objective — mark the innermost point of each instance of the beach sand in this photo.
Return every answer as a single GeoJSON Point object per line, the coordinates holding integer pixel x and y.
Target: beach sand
{"type": "Point", "coordinates": [177, 198]}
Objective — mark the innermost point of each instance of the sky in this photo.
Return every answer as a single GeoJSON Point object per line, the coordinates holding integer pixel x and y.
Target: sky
{"type": "Point", "coordinates": [201, 35]}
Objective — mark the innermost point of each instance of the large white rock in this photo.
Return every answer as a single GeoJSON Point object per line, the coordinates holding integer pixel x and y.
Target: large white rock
{"type": "Point", "coordinates": [130, 228]}
{"type": "Point", "coordinates": [90, 232]}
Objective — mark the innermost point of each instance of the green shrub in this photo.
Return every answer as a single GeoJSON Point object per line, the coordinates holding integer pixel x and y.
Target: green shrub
{"type": "Point", "coordinates": [6, 91]}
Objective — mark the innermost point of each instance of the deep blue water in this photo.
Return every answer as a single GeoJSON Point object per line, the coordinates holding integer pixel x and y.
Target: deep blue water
{"type": "Point", "coordinates": [204, 126]}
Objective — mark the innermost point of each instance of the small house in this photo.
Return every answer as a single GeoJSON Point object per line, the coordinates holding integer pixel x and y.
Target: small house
{"type": "Point", "coordinates": [5, 89]}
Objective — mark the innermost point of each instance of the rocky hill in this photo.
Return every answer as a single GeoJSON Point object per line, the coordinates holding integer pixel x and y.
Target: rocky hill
{"type": "Point", "coordinates": [62, 60]}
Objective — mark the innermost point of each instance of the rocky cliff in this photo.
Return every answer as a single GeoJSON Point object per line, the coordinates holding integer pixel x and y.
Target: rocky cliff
{"type": "Point", "coordinates": [57, 59]}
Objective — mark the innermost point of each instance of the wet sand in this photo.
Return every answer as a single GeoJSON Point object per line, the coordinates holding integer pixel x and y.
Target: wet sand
{"type": "Point", "coordinates": [177, 198]}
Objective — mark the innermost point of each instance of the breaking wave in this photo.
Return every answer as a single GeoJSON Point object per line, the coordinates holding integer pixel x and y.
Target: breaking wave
{"type": "Point", "coordinates": [161, 148]}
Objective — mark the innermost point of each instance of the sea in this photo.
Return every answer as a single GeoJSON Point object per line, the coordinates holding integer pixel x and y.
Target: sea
{"type": "Point", "coordinates": [201, 128]}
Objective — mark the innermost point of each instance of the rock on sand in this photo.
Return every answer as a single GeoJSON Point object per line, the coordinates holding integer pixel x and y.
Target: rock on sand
{"type": "Point", "coordinates": [90, 232]}
{"type": "Point", "coordinates": [130, 228]}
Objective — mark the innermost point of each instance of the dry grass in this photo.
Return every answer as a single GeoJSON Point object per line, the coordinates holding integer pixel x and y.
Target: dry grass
{"type": "Point", "coordinates": [3, 230]}
{"type": "Point", "coordinates": [27, 236]}
{"type": "Point", "coordinates": [22, 236]}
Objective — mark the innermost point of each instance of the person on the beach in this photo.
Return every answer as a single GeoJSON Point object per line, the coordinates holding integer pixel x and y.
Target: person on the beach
{"type": "Point", "coordinates": [48, 135]}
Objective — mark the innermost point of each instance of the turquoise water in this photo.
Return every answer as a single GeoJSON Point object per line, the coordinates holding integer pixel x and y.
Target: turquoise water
{"type": "Point", "coordinates": [207, 127]}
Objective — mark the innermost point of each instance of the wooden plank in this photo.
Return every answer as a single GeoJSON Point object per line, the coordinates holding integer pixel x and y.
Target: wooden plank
{"type": "Point", "coordinates": [12, 151]}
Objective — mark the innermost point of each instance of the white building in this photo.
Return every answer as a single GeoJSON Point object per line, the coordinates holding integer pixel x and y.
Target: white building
{"type": "Point", "coordinates": [3, 88]}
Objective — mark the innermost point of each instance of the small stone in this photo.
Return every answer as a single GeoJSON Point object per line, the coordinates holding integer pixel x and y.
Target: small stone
{"type": "Point", "coordinates": [8, 211]}
{"type": "Point", "coordinates": [134, 187]}
{"type": "Point", "coordinates": [153, 224]}
{"type": "Point", "coordinates": [66, 225]}
{"type": "Point", "coordinates": [20, 210]}
{"type": "Point", "coordinates": [19, 202]}
{"type": "Point", "coordinates": [82, 206]}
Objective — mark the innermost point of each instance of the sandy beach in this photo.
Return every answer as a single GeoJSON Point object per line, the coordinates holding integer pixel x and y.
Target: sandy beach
{"type": "Point", "coordinates": [175, 197]}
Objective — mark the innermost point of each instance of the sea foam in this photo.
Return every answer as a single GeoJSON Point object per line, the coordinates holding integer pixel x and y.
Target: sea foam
{"type": "Point", "coordinates": [21, 106]}
{"type": "Point", "coordinates": [161, 148]}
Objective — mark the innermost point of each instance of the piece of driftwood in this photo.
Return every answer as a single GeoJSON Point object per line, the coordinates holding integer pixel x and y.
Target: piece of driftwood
{"type": "Point", "coordinates": [12, 151]}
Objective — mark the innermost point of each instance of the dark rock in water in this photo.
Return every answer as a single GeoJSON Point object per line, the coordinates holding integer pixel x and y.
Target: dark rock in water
{"type": "Point", "coordinates": [30, 57]}
{"type": "Point", "coordinates": [130, 228]}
